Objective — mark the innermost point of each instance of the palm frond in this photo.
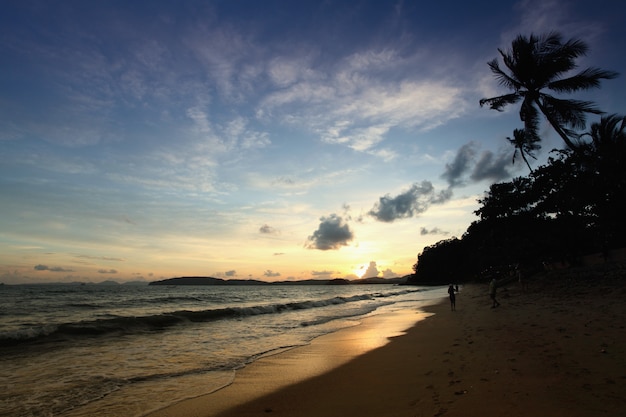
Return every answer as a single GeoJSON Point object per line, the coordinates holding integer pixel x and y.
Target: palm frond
{"type": "Point", "coordinates": [584, 80]}
{"type": "Point", "coordinates": [552, 58]}
{"type": "Point", "coordinates": [610, 131]}
{"type": "Point", "coordinates": [498, 103]}
{"type": "Point", "coordinates": [572, 113]}
{"type": "Point", "coordinates": [572, 49]}
{"type": "Point", "coordinates": [503, 78]}
{"type": "Point", "coordinates": [540, 63]}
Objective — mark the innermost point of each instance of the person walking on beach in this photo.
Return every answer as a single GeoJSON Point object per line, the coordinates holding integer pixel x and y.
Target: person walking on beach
{"type": "Point", "coordinates": [452, 298]}
{"type": "Point", "coordinates": [492, 293]}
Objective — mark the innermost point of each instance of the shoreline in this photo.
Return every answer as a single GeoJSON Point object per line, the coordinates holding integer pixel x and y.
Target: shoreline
{"type": "Point", "coordinates": [557, 349]}
{"type": "Point", "coordinates": [274, 372]}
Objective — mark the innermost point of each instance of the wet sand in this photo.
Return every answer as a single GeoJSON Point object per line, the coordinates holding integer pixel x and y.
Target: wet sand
{"type": "Point", "coordinates": [556, 349]}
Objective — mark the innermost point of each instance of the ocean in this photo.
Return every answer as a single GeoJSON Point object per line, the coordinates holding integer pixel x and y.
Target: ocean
{"type": "Point", "coordinates": [134, 349]}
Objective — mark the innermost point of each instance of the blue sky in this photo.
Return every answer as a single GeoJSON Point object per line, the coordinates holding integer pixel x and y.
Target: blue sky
{"type": "Point", "coordinates": [274, 140]}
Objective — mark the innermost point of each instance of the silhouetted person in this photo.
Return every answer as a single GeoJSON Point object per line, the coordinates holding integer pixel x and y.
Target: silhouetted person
{"type": "Point", "coordinates": [492, 293]}
{"type": "Point", "coordinates": [452, 298]}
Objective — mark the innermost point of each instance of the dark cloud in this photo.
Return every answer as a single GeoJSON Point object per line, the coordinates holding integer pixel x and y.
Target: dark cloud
{"type": "Point", "coordinates": [107, 271]}
{"type": "Point", "coordinates": [468, 164]}
{"type": "Point", "coordinates": [433, 231]}
{"type": "Point", "coordinates": [408, 204]}
{"type": "Point", "coordinates": [322, 273]}
{"type": "Point", "coordinates": [492, 167]}
{"type": "Point", "coordinates": [480, 166]}
{"type": "Point", "coordinates": [332, 233]}
{"type": "Point", "coordinates": [270, 274]}
{"type": "Point", "coordinates": [461, 164]}
{"type": "Point", "coordinates": [268, 230]}
{"type": "Point", "coordinates": [51, 269]}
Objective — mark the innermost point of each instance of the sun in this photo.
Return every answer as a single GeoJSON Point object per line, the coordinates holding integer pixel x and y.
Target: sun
{"type": "Point", "coordinates": [359, 271]}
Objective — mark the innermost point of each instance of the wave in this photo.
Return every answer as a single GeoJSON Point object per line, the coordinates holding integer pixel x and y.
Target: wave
{"type": "Point", "coordinates": [159, 322]}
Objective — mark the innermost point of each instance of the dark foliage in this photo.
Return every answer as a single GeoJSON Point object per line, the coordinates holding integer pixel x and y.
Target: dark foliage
{"type": "Point", "coordinates": [572, 206]}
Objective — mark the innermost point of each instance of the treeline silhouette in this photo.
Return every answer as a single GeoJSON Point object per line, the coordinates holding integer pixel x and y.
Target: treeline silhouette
{"type": "Point", "coordinates": [573, 205]}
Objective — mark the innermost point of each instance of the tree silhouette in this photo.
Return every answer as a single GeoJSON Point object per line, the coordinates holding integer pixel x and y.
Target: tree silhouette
{"type": "Point", "coordinates": [539, 63]}
{"type": "Point", "coordinates": [525, 144]}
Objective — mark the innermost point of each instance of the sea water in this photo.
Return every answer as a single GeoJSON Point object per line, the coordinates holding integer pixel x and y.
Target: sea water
{"type": "Point", "coordinates": [130, 350]}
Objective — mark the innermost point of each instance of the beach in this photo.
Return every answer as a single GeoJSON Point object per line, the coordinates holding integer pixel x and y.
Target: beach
{"type": "Point", "coordinates": [110, 351]}
{"type": "Point", "coordinates": [556, 349]}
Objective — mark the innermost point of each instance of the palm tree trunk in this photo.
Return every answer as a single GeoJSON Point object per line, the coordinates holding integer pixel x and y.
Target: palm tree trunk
{"type": "Point", "coordinates": [526, 160]}
{"type": "Point", "coordinates": [556, 127]}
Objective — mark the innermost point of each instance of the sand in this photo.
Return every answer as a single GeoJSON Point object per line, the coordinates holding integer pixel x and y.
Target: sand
{"type": "Point", "coordinates": [556, 349]}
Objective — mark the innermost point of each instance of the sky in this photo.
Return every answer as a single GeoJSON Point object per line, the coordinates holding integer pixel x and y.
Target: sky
{"type": "Point", "coordinates": [273, 140]}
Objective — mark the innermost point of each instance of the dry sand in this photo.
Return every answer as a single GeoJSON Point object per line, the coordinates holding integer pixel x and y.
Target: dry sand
{"type": "Point", "coordinates": [557, 349]}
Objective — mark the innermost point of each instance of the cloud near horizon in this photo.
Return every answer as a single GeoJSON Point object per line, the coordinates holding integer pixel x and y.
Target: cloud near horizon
{"type": "Point", "coordinates": [371, 271]}
{"type": "Point", "coordinates": [41, 267]}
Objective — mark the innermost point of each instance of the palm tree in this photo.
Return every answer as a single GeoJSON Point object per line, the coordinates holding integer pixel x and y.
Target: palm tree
{"type": "Point", "coordinates": [602, 163]}
{"type": "Point", "coordinates": [607, 135]}
{"type": "Point", "coordinates": [525, 144]}
{"type": "Point", "coordinates": [538, 63]}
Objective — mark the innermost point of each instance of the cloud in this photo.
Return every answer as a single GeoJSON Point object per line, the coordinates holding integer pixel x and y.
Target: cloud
{"type": "Point", "coordinates": [231, 273]}
{"type": "Point", "coordinates": [51, 269]}
{"type": "Point", "coordinates": [107, 271]}
{"type": "Point", "coordinates": [479, 166]}
{"type": "Point", "coordinates": [322, 273]}
{"type": "Point", "coordinates": [468, 164]}
{"type": "Point", "coordinates": [371, 271]}
{"type": "Point", "coordinates": [414, 201]}
{"type": "Point", "coordinates": [104, 258]}
{"type": "Point", "coordinates": [270, 274]}
{"type": "Point", "coordinates": [492, 167]}
{"type": "Point", "coordinates": [388, 273]}
{"type": "Point", "coordinates": [455, 171]}
{"type": "Point", "coordinates": [433, 231]}
{"type": "Point", "coordinates": [358, 100]}
{"type": "Point", "coordinates": [332, 233]}
{"type": "Point", "coordinates": [267, 230]}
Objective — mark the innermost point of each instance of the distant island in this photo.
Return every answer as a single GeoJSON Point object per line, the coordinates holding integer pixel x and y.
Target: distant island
{"type": "Point", "coordinates": [219, 281]}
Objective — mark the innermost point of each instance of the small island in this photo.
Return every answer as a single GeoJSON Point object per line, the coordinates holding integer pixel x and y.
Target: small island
{"type": "Point", "coordinates": [334, 281]}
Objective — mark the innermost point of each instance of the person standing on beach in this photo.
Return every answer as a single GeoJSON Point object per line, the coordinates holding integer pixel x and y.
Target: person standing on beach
{"type": "Point", "coordinates": [452, 298]}
{"type": "Point", "coordinates": [492, 293]}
